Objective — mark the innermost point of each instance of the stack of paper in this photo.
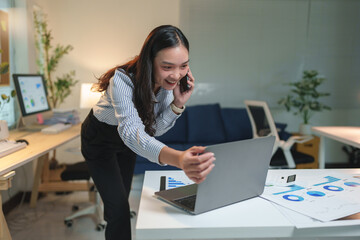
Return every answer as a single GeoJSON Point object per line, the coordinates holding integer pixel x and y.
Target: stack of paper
{"type": "Point", "coordinates": [63, 116]}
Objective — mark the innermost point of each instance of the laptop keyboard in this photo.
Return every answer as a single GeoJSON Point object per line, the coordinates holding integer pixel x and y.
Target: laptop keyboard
{"type": "Point", "coordinates": [188, 202]}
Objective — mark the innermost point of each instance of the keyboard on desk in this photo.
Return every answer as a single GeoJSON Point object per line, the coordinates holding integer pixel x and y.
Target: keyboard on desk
{"type": "Point", "coordinates": [7, 147]}
{"type": "Point", "coordinates": [56, 128]}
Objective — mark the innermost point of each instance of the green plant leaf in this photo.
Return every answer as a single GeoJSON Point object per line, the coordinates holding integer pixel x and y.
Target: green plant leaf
{"type": "Point", "coordinates": [48, 61]}
{"type": "Point", "coordinates": [303, 97]}
{"type": "Point", "coordinates": [4, 67]}
{"type": "Point", "coordinates": [4, 96]}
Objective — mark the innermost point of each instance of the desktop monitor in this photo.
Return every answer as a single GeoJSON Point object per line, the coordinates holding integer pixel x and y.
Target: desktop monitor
{"type": "Point", "coordinates": [32, 96]}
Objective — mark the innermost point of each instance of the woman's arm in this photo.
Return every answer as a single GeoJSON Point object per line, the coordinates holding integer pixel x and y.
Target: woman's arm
{"type": "Point", "coordinates": [194, 162]}
{"type": "Point", "coordinates": [130, 126]}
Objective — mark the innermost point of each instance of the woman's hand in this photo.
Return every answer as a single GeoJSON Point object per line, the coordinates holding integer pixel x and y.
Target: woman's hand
{"type": "Point", "coordinates": [196, 164]}
{"type": "Point", "coordinates": [180, 98]}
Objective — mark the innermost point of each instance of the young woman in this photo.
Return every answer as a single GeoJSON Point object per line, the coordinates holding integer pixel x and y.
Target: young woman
{"type": "Point", "coordinates": [141, 99]}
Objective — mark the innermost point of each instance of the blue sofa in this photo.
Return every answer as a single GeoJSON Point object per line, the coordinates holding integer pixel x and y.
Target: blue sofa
{"type": "Point", "coordinates": [202, 125]}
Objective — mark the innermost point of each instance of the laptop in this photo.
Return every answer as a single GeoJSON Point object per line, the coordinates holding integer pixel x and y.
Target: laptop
{"type": "Point", "coordinates": [240, 173]}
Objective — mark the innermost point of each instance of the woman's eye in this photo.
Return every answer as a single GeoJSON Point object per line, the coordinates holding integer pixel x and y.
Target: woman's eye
{"type": "Point", "coordinates": [166, 67]}
{"type": "Point", "coordinates": [184, 66]}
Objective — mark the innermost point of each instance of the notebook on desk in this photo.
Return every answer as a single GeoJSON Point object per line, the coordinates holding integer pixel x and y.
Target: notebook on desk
{"type": "Point", "coordinates": [240, 173]}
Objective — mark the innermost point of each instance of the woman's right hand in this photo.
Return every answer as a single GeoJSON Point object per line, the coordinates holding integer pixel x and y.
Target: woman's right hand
{"type": "Point", "coordinates": [196, 164]}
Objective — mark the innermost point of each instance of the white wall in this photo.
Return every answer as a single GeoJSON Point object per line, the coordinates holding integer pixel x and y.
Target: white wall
{"type": "Point", "coordinates": [248, 49]}
{"type": "Point", "coordinates": [103, 33]}
{"type": "Point", "coordinates": [239, 49]}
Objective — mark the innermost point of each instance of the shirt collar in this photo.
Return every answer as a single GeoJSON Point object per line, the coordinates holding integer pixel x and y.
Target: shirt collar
{"type": "Point", "coordinates": [160, 92]}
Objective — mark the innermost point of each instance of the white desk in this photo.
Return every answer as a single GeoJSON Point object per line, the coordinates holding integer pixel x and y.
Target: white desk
{"type": "Point", "coordinates": [347, 135]}
{"type": "Point", "coordinates": [39, 147]}
{"type": "Point", "coordinates": [254, 218]}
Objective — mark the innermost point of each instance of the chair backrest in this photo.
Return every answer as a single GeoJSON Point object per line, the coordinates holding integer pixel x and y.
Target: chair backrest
{"type": "Point", "coordinates": [262, 122]}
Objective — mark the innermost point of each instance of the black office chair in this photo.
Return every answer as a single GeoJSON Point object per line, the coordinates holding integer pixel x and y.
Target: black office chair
{"type": "Point", "coordinates": [284, 154]}
{"type": "Point", "coordinates": [79, 171]}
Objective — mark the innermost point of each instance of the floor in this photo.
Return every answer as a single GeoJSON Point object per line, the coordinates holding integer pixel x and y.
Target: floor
{"type": "Point", "coordinates": [46, 221]}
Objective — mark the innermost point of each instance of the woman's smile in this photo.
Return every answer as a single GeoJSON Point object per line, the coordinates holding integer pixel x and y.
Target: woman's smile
{"type": "Point", "coordinates": [170, 65]}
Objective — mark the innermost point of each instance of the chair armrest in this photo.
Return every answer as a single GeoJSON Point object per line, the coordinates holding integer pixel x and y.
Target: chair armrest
{"type": "Point", "coordinates": [296, 139]}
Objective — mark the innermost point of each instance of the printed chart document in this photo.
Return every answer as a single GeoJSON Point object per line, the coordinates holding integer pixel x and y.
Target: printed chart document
{"type": "Point", "coordinates": [324, 197]}
{"type": "Point", "coordinates": [172, 182]}
{"type": "Point", "coordinates": [303, 221]}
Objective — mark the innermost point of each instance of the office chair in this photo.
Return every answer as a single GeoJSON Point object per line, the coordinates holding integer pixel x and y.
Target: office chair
{"type": "Point", "coordinates": [79, 171]}
{"type": "Point", "coordinates": [262, 123]}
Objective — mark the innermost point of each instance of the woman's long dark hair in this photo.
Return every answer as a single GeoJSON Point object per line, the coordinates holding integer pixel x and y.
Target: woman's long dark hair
{"type": "Point", "coordinates": [141, 68]}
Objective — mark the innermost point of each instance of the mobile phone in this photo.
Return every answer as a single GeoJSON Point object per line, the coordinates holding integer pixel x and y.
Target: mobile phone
{"type": "Point", "coordinates": [184, 86]}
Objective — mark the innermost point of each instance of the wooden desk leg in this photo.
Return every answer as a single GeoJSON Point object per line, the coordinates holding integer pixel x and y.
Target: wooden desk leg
{"type": "Point", "coordinates": [322, 152]}
{"type": "Point", "coordinates": [4, 230]}
{"type": "Point", "coordinates": [37, 179]}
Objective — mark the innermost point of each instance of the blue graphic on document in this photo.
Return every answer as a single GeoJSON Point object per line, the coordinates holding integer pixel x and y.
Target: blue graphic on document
{"type": "Point", "coordinates": [293, 198]}
{"type": "Point", "coordinates": [172, 183]}
{"type": "Point", "coordinates": [316, 193]}
{"type": "Point", "coordinates": [333, 188]}
{"type": "Point", "coordinates": [330, 180]}
{"type": "Point", "coordinates": [292, 189]}
{"type": "Point", "coordinates": [352, 184]}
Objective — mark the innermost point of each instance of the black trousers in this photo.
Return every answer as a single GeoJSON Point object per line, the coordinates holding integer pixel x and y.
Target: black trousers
{"type": "Point", "coordinates": [111, 165]}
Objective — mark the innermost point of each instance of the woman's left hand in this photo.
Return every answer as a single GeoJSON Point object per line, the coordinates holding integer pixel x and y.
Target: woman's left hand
{"type": "Point", "coordinates": [180, 98]}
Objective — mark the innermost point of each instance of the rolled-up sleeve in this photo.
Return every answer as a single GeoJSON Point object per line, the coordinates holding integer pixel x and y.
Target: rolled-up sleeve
{"type": "Point", "coordinates": [130, 126]}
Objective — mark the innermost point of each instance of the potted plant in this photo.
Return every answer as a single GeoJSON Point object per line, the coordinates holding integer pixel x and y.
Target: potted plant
{"type": "Point", "coordinates": [47, 61]}
{"type": "Point", "coordinates": [303, 99]}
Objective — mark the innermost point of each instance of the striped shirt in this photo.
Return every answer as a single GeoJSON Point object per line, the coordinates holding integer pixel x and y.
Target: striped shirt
{"type": "Point", "coordinates": [116, 107]}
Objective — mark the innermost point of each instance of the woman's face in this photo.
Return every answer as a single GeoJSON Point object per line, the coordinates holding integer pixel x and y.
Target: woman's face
{"type": "Point", "coordinates": [170, 65]}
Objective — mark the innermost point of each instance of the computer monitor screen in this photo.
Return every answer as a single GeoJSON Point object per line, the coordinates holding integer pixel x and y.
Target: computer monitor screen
{"type": "Point", "coordinates": [31, 92]}
{"type": "Point", "coordinates": [32, 96]}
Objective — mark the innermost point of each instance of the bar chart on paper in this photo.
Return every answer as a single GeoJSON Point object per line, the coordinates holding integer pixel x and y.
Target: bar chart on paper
{"type": "Point", "coordinates": [177, 182]}
{"type": "Point", "coordinates": [324, 198]}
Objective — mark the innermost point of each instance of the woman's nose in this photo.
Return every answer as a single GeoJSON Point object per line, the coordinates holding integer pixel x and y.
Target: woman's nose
{"type": "Point", "coordinates": [175, 75]}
